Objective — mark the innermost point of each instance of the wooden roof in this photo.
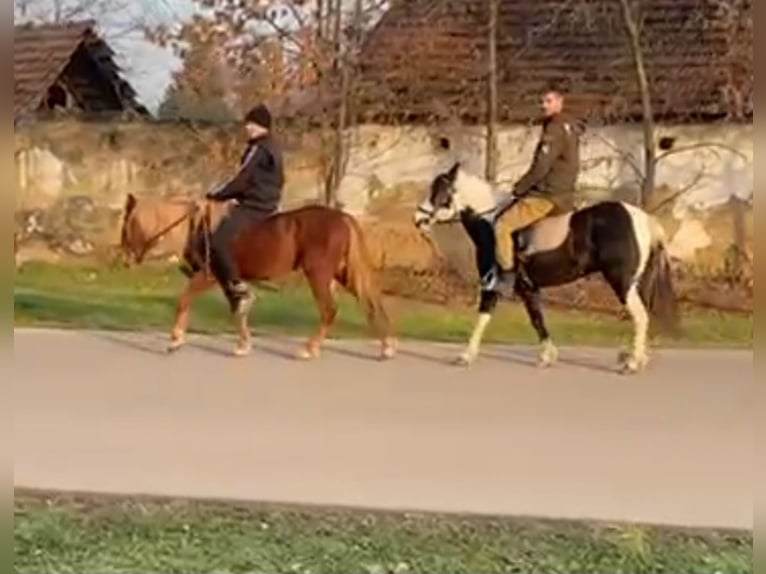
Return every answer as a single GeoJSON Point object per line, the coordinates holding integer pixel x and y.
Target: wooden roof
{"type": "Point", "coordinates": [427, 58]}
{"type": "Point", "coordinates": [42, 53]}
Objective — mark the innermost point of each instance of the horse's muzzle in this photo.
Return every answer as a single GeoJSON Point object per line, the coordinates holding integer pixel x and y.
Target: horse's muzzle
{"type": "Point", "coordinates": [423, 224]}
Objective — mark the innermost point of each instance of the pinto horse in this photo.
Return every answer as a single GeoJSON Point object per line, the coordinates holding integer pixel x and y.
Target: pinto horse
{"type": "Point", "coordinates": [623, 243]}
{"type": "Point", "coordinates": [326, 244]}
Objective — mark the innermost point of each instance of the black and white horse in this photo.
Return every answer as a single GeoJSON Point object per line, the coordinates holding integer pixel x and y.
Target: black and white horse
{"type": "Point", "coordinates": [622, 242]}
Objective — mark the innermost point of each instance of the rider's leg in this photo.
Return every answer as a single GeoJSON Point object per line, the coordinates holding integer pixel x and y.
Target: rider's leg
{"type": "Point", "coordinates": [190, 262]}
{"type": "Point", "coordinates": [222, 263]}
{"type": "Point", "coordinates": [524, 212]}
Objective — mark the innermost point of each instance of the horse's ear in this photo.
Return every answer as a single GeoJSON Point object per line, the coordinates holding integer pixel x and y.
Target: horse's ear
{"type": "Point", "coordinates": [452, 173]}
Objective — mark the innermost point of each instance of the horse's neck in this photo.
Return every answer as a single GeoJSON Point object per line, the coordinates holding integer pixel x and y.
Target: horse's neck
{"type": "Point", "coordinates": [476, 226]}
{"type": "Point", "coordinates": [477, 194]}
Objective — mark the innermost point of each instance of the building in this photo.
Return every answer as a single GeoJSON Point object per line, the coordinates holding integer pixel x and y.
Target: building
{"type": "Point", "coordinates": [67, 67]}
{"type": "Point", "coordinates": [428, 59]}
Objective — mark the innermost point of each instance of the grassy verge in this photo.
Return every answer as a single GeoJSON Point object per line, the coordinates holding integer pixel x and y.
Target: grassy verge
{"type": "Point", "coordinates": [98, 298]}
{"type": "Point", "coordinates": [92, 535]}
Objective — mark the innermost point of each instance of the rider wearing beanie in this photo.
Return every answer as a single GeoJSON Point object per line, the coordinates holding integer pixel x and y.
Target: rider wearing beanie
{"type": "Point", "coordinates": [257, 188]}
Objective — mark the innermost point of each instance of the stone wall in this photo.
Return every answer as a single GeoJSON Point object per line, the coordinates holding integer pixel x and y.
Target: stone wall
{"type": "Point", "coordinates": [76, 175]}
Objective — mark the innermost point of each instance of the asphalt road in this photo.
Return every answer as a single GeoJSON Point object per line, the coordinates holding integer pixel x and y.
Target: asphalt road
{"type": "Point", "coordinates": [111, 413]}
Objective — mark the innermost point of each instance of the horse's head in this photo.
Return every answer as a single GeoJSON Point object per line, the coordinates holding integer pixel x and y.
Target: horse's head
{"type": "Point", "coordinates": [148, 221]}
{"type": "Point", "coordinates": [452, 193]}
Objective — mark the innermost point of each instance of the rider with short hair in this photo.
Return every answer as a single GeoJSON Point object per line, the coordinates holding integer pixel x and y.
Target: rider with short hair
{"type": "Point", "coordinates": [257, 188]}
{"type": "Point", "coordinates": [546, 188]}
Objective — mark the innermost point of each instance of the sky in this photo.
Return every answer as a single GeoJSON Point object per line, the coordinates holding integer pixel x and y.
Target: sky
{"type": "Point", "coordinates": [146, 66]}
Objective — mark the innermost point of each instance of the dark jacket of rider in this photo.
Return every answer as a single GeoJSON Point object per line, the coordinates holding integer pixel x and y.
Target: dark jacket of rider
{"type": "Point", "coordinates": [259, 182]}
{"type": "Point", "coordinates": [556, 164]}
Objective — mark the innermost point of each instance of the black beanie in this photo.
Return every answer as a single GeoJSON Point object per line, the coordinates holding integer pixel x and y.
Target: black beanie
{"type": "Point", "coordinates": [260, 115]}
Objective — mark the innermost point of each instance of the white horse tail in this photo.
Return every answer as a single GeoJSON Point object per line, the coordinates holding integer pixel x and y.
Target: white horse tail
{"type": "Point", "coordinates": [655, 283]}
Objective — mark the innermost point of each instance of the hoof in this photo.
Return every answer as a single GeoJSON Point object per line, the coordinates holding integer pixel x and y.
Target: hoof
{"type": "Point", "coordinates": [389, 349]}
{"type": "Point", "coordinates": [623, 356]}
{"type": "Point", "coordinates": [633, 365]}
{"type": "Point", "coordinates": [545, 363]}
{"type": "Point", "coordinates": [464, 360]}
{"type": "Point", "coordinates": [388, 353]}
{"type": "Point", "coordinates": [548, 357]}
{"type": "Point", "coordinates": [175, 345]}
{"type": "Point", "coordinates": [242, 350]}
{"type": "Point", "coordinates": [307, 354]}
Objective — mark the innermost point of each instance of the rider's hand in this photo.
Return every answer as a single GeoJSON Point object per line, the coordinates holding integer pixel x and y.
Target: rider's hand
{"type": "Point", "coordinates": [210, 195]}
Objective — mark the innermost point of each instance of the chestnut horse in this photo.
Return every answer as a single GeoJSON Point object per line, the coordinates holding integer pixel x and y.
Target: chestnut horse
{"type": "Point", "coordinates": [326, 244]}
{"type": "Point", "coordinates": [159, 224]}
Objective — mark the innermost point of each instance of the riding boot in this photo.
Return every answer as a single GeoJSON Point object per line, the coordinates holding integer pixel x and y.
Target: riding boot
{"type": "Point", "coordinates": [240, 297]}
{"type": "Point", "coordinates": [505, 282]}
{"type": "Point", "coordinates": [187, 268]}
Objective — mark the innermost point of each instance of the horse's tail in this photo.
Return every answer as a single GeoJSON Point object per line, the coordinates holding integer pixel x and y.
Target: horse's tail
{"type": "Point", "coordinates": [656, 283]}
{"type": "Point", "coordinates": [360, 280]}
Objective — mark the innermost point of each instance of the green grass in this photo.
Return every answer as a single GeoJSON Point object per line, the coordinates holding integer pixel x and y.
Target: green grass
{"type": "Point", "coordinates": [111, 298]}
{"type": "Point", "coordinates": [110, 535]}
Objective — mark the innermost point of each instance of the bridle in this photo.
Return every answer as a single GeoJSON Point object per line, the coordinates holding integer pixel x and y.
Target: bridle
{"type": "Point", "coordinates": [430, 213]}
{"type": "Point", "coordinates": [149, 244]}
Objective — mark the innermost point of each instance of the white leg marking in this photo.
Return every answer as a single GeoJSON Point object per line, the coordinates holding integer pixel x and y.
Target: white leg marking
{"type": "Point", "coordinates": [642, 230]}
{"type": "Point", "coordinates": [549, 354]}
{"type": "Point", "coordinates": [638, 358]}
{"type": "Point", "coordinates": [177, 341]}
{"type": "Point", "coordinates": [472, 350]}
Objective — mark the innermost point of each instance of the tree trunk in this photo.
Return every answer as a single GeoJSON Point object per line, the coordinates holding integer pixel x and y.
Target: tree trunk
{"type": "Point", "coordinates": [319, 16]}
{"type": "Point", "coordinates": [491, 159]}
{"type": "Point", "coordinates": [650, 149]}
{"type": "Point", "coordinates": [58, 12]}
{"type": "Point", "coordinates": [338, 68]}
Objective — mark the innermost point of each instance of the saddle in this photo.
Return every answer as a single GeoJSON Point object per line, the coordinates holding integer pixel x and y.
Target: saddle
{"type": "Point", "coordinates": [545, 234]}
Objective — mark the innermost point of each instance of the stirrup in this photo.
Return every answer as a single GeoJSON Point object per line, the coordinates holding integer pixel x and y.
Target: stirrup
{"type": "Point", "coordinates": [489, 280]}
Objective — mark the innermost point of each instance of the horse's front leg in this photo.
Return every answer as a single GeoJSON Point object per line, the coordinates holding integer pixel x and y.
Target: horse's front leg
{"type": "Point", "coordinates": [533, 304]}
{"type": "Point", "coordinates": [198, 283]}
{"type": "Point", "coordinates": [245, 343]}
{"type": "Point", "coordinates": [487, 304]}
{"type": "Point", "coordinates": [323, 287]}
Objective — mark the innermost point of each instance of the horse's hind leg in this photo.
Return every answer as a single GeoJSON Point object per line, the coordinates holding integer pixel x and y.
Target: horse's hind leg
{"type": "Point", "coordinates": [626, 290]}
{"type": "Point", "coordinates": [198, 283]}
{"type": "Point", "coordinates": [638, 358]}
{"type": "Point", "coordinates": [323, 287]}
{"type": "Point", "coordinates": [533, 304]}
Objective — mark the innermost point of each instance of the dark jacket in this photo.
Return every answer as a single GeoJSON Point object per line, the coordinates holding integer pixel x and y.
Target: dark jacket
{"type": "Point", "coordinates": [258, 184]}
{"type": "Point", "coordinates": [556, 164]}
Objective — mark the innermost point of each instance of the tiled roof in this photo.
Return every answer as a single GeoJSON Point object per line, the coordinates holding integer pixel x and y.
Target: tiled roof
{"type": "Point", "coordinates": [428, 57]}
{"type": "Point", "coordinates": [41, 53]}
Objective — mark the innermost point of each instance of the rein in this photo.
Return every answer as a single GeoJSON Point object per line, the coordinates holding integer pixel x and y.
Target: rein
{"type": "Point", "coordinates": [455, 219]}
{"type": "Point", "coordinates": [152, 242]}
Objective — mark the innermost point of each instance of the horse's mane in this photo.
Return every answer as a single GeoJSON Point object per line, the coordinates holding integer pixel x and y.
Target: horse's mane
{"type": "Point", "coordinates": [479, 184]}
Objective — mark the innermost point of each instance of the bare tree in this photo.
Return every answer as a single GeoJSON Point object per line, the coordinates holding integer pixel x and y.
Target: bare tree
{"type": "Point", "coordinates": [630, 20]}
{"type": "Point", "coordinates": [491, 160]}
